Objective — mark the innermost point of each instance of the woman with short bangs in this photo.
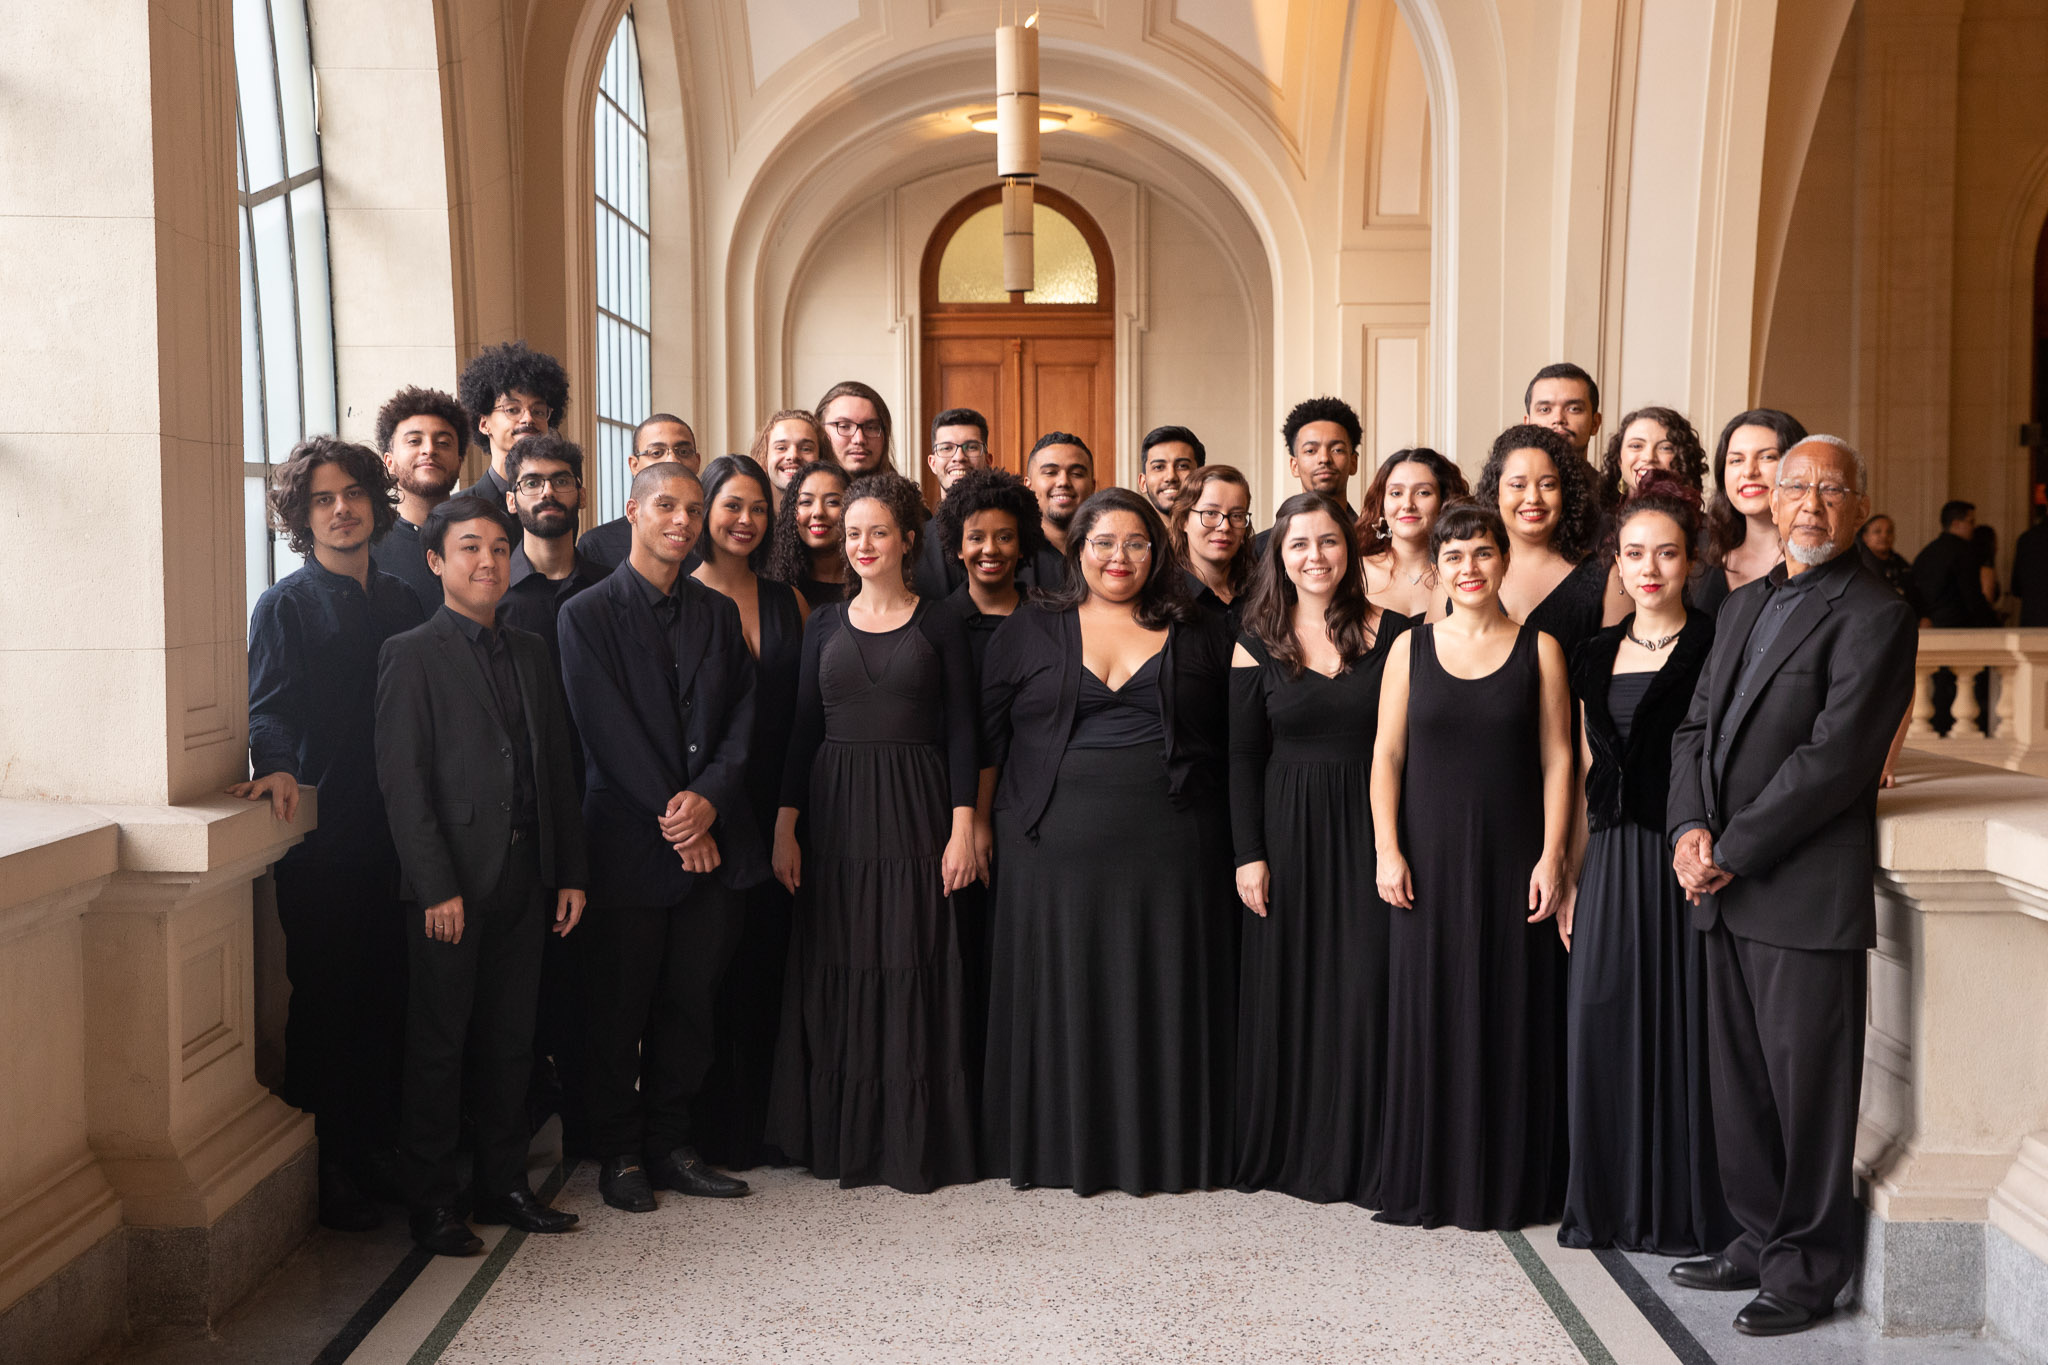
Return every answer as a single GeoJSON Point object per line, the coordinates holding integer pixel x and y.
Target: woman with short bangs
{"type": "Point", "coordinates": [1400, 506]}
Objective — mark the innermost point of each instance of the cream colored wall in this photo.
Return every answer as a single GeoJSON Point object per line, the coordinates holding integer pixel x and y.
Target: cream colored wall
{"type": "Point", "coordinates": [1201, 363]}
{"type": "Point", "coordinates": [843, 324]}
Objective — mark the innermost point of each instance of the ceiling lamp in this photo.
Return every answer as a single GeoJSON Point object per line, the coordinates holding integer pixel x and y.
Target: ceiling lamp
{"type": "Point", "coordinates": [1017, 128]}
{"type": "Point", "coordinates": [1049, 120]}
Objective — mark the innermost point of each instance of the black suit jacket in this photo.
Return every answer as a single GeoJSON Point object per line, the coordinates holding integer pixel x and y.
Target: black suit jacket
{"type": "Point", "coordinates": [1794, 813]}
{"type": "Point", "coordinates": [650, 730]}
{"type": "Point", "coordinates": [446, 768]}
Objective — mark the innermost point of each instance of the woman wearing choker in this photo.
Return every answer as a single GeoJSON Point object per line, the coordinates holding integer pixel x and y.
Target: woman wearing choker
{"type": "Point", "coordinates": [786, 443]}
{"type": "Point", "coordinates": [1400, 506]}
{"type": "Point", "coordinates": [1544, 495]}
{"type": "Point", "coordinates": [808, 551]}
{"type": "Point", "coordinates": [1643, 1170]}
{"type": "Point", "coordinates": [1742, 539]}
{"type": "Point", "coordinates": [1210, 528]}
{"type": "Point", "coordinates": [734, 1100]}
{"type": "Point", "coordinates": [1112, 1022]}
{"type": "Point", "coordinates": [1312, 1014]}
{"type": "Point", "coordinates": [1647, 439]}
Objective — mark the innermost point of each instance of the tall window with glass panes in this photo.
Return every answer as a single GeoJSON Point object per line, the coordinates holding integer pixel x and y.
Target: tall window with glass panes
{"type": "Point", "coordinates": [625, 362]}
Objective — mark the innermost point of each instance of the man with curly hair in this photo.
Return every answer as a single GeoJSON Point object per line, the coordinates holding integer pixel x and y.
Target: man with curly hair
{"type": "Point", "coordinates": [420, 432]}
{"type": "Point", "coordinates": [511, 391]}
{"type": "Point", "coordinates": [313, 643]}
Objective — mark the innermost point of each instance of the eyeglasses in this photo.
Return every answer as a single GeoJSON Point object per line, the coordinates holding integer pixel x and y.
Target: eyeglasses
{"type": "Point", "coordinates": [539, 412]}
{"type": "Point", "coordinates": [560, 483]}
{"type": "Point", "coordinates": [945, 450]}
{"type": "Point", "coordinates": [1105, 547]}
{"type": "Point", "coordinates": [1831, 494]}
{"type": "Point", "coordinates": [846, 426]}
{"type": "Point", "coordinates": [1212, 517]}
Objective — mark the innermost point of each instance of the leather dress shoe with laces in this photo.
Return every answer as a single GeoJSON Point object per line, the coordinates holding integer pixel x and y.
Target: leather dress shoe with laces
{"type": "Point", "coordinates": [683, 1171]}
{"type": "Point", "coordinates": [622, 1180]}
{"type": "Point", "coordinates": [1767, 1315]}
{"type": "Point", "coordinates": [443, 1232]}
{"type": "Point", "coordinates": [343, 1205]}
{"type": "Point", "coordinates": [1712, 1272]}
{"type": "Point", "coordinates": [523, 1211]}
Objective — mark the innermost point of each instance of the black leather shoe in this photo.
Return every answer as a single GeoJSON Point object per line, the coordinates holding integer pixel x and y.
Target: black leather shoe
{"type": "Point", "coordinates": [523, 1211]}
{"type": "Point", "coordinates": [683, 1171]}
{"type": "Point", "coordinates": [443, 1232]}
{"type": "Point", "coordinates": [1712, 1272]}
{"type": "Point", "coordinates": [622, 1180]}
{"type": "Point", "coordinates": [1767, 1315]}
{"type": "Point", "coordinates": [343, 1205]}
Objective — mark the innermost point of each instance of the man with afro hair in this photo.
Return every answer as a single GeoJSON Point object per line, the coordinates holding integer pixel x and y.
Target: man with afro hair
{"type": "Point", "coordinates": [1321, 436]}
{"type": "Point", "coordinates": [511, 391]}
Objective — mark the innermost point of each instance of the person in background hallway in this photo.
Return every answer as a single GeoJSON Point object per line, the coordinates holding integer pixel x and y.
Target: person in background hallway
{"type": "Point", "coordinates": [663, 690]}
{"type": "Point", "coordinates": [510, 391]}
{"type": "Point", "coordinates": [734, 1101]}
{"type": "Point", "coordinates": [313, 642]}
{"type": "Point", "coordinates": [473, 759]}
{"type": "Point", "coordinates": [1647, 439]}
{"type": "Point", "coordinates": [1742, 539]}
{"type": "Point", "coordinates": [1773, 821]}
{"type": "Point", "coordinates": [1545, 498]}
{"type": "Point", "coordinates": [420, 433]}
{"type": "Point", "coordinates": [1985, 538]}
{"type": "Point", "coordinates": [1643, 1173]}
{"type": "Point", "coordinates": [1112, 1019]}
{"type": "Point", "coordinates": [959, 444]}
{"type": "Point", "coordinates": [1321, 436]}
{"type": "Point", "coordinates": [871, 1083]}
{"type": "Point", "coordinates": [1471, 812]}
{"type": "Point", "coordinates": [661, 439]}
{"type": "Point", "coordinates": [1407, 493]}
{"type": "Point", "coordinates": [1061, 471]}
{"type": "Point", "coordinates": [1876, 542]}
{"type": "Point", "coordinates": [1947, 572]}
{"type": "Point", "coordinates": [807, 547]}
{"type": "Point", "coordinates": [1167, 456]}
{"type": "Point", "coordinates": [1210, 529]}
{"type": "Point", "coordinates": [856, 422]}
{"type": "Point", "coordinates": [1312, 1013]}
{"type": "Point", "coordinates": [786, 443]}
{"type": "Point", "coordinates": [2030, 574]}
{"type": "Point", "coordinates": [1564, 398]}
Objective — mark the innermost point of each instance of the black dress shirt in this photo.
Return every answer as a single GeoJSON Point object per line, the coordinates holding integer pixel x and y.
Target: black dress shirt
{"type": "Point", "coordinates": [495, 659]}
{"type": "Point", "coordinates": [313, 642]}
{"type": "Point", "coordinates": [2030, 575]}
{"type": "Point", "coordinates": [533, 600]}
{"type": "Point", "coordinates": [1784, 593]}
{"type": "Point", "coordinates": [494, 490]}
{"type": "Point", "coordinates": [937, 573]}
{"type": "Point", "coordinates": [402, 553]}
{"type": "Point", "coordinates": [1951, 589]}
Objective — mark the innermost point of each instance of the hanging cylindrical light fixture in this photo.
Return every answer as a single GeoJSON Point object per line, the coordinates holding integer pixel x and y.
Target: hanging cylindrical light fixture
{"type": "Point", "coordinates": [1018, 275]}
{"type": "Point", "coordinates": [1017, 99]}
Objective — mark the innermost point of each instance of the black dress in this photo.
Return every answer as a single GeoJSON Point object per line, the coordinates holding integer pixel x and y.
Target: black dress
{"type": "Point", "coordinates": [1312, 1017]}
{"type": "Point", "coordinates": [818, 593]}
{"type": "Point", "coordinates": [1112, 1015]}
{"type": "Point", "coordinates": [1643, 1169]}
{"type": "Point", "coordinates": [1474, 1131]}
{"type": "Point", "coordinates": [871, 1082]}
{"type": "Point", "coordinates": [1571, 612]}
{"type": "Point", "coordinates": [733, 1105]}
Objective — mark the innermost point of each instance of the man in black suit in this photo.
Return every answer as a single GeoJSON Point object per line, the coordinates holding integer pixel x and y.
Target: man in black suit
{"type": "Point", "coordinates": [662, 687]}
{"type": "Point", "coordinates": [1773, 811]}
{"type": "Point", "coordinates": [473, 759]}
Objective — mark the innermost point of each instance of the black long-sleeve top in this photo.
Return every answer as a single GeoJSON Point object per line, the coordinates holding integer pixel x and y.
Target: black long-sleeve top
{"type": "Point", "coordinates": [1031, 685]}
{"type": "Point", "coordinates": [313, 643]}
{"type": "Point", "coordinates": [952, 729]}
{"type": "Point", "coordinates": [1631, 774]}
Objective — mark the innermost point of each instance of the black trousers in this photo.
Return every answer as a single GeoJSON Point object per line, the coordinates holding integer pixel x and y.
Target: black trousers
{"type": "Point", "coordinates": [1785, 1053]}
{"type": "Point", "coordinates": [471, 1018]}
{"type": "Point", "coordinates": [344, 953]}
{"type": "Point", "coordinates": [651, 980]}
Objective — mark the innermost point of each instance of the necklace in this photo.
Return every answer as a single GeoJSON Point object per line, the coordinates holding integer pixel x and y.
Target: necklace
{"type": "Point", "coordinates": [1661, 642]}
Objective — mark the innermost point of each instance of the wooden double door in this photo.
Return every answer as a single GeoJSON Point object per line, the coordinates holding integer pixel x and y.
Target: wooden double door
{"type": "Point", "coordinates": [1028, 373]}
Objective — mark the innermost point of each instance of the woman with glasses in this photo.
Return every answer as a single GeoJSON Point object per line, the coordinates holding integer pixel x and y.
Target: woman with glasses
{"type": "Point", "coordinates": [1394, 519]}
{"type": "Point", "coordinates": [786, 443]}
{"type": "Point", "coordinates": [871, 1079]}
{"type": "Point", "coordinates": [1742, 539]}
{"type": "Point", "coordinates": [807, 549]}
{"type": "Point", "coordinates": [1312, 1020]}
{"type": "Point", "coordinates": [1112, 1011]}
{"type": "Point", "coordinates": [1210, 528]}
{"type": "Point", "coordinates": [856, 424]}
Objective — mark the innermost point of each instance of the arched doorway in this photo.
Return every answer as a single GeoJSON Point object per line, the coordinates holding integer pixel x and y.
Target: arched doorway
{"type": "Point", "coordinates": [1031, 363]}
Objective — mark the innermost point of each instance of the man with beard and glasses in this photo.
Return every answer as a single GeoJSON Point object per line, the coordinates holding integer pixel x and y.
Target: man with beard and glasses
{"type": "Point", "coordinates": [661, 439]}
{"type": "Point", "coordinates": [420, 432]}
{"type": "Point", "coordinates": [511, 392]}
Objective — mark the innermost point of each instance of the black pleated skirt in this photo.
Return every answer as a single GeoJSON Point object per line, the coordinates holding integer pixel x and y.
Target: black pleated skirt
{"type": "Point", "coordinates": [1113, 986]}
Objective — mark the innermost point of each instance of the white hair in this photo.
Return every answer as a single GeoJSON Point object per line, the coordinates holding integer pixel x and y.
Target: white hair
{"type": "Point", "coordinates": [1856, 460]}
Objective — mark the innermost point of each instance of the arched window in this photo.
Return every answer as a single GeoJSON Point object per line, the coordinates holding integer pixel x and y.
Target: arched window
{"type": "Point", "coordinates": [625, 365]}
{"type": "Point", "coordinates": [287, 309]}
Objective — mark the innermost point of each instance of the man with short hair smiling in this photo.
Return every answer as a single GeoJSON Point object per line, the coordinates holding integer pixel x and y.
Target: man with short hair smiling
{"type": "Point", "coordinates": [959, 443]}
{"type": "Point", "coordinates": [660, 439]}
{"type": "Point", "coordinates": [473, 758]}
{"type": "Point", "coordinates": [420, 432]}
{"type": "Point", "coordinates": [511, 391]}
{"type": "Point", "coordinates": [1061, 472]}
{"type": "Point", "coordinates": [1564, 398]}
{"type": "Point", "coordinates": [1321, 436]}
{"type": "Point", "coordinates": [662, 686]}
{"type": "Point", "coordinates": [1169, 455]}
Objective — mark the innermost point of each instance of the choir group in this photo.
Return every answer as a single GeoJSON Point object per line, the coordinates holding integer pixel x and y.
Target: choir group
{"type": "Point", "coordinates": [1071, 835]}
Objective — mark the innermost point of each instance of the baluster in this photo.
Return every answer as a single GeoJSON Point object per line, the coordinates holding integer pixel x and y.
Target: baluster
{"type": "Point", "coordinates": [2003, 693]}
{"type": "Point", "coordinates": [1965, 708]}
{"type": "Point", "coordinates": [1923, 705]}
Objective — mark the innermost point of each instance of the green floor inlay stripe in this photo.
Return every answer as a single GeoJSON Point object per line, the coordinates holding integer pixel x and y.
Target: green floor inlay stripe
{"type": "Point", "coordinates": [480, 1284]}
{"type": "Point", "coordinates": [1568, 1315]}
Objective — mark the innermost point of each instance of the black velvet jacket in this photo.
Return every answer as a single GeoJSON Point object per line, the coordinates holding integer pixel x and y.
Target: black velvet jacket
{"type": "Point", "coordinates": [1631, 781]}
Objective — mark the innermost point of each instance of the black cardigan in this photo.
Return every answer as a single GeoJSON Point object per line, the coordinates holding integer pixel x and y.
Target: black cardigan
{"type": "Point", "coordinates": [1632, 781]}
{"type": "Point", "coordinates": [1032, 681]}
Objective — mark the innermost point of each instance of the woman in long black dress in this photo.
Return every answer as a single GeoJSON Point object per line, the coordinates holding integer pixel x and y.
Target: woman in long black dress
{"type": "Point", "coordinates": [871, 1083]}
{"type": "Point", "coordinates": [808, 549]}
{"type": "Point", "coordinates": [1643, 1173]}
{"type": "Point", "coordinates": [733, 1105]}
{"type": "Point", "coordinates": [1312, 1015]}
{"type": "Point", "coordinates": [1113, 1003]}
{"type": "Point", "coordinates": [1545, 497]}
{"type": "Point", "coordinates": [1471, 805]}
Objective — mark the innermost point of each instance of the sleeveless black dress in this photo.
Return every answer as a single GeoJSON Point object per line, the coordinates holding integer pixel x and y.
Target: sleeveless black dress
{"type": "Point", "coordinates": [1312, 1004]}
{"type": "Point", "coordinates": [871, 1082]}
{"type": "Point", "coordinates": [1474, 1132]}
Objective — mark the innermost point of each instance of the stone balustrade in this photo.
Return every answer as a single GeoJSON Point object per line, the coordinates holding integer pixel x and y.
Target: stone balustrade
{"type": "Point", "coordinates": [2014, 734]}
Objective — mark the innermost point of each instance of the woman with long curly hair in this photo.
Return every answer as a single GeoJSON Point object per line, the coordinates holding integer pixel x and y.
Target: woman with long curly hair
{"type": "Point", "coordinates": [1544, 495]}
{"type": "Point", "coordinates": [805, 550]}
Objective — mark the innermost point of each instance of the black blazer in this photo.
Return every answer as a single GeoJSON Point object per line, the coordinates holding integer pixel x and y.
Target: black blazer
{"type": "Point", "coordinates": [1794, 814]}
{"type": "Point", "coordinates": [1631, 781]}
{"type": "Point", "coordinates": [651, 730]}
{"type": "Point", "coordinates": [1031, 684]}
{"type": "Point", "coordinates": [446, 768]}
